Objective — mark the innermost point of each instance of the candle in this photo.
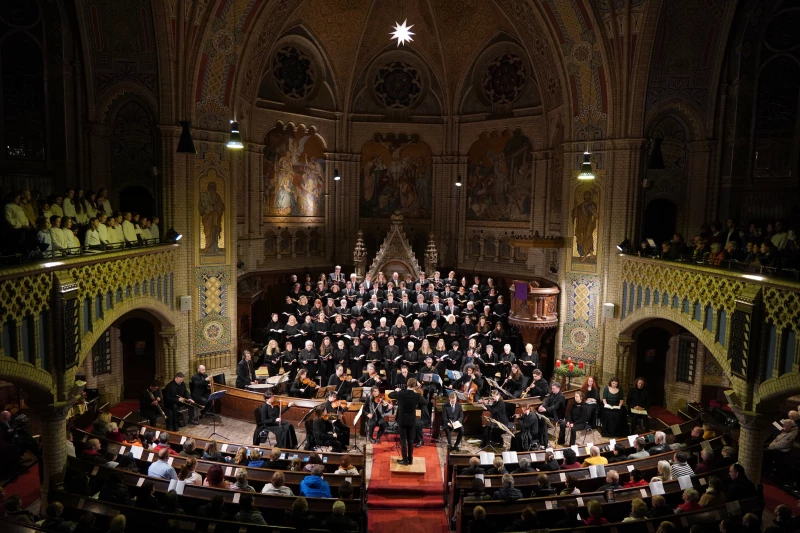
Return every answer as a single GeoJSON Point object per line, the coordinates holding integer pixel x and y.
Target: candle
{"type": "Point", "coordinates": [558, 363]}
{"type": "Point", "coordinates": [580, 365]}
{"type": "Point", "coordinates": [569, 359]}
{"type": "Point", "coordinates": [571, 367]}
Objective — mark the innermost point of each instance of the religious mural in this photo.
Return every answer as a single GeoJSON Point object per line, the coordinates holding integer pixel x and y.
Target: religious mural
{"type": "Point", "coordinates": [211, 207]}
{"type": "Point", "coordinates": [499, 177]}
{"type": "Point", "coordinates": [585, 217]}
{"type": "Point", "coordinates": [397, 175]}
{"type": "Point", "coordinates": [294, 173]}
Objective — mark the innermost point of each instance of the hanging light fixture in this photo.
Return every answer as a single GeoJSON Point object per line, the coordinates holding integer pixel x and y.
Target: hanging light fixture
{"type": "Point", "coordinates": [402, 32]}
{"type": "Point", "coordinates": [336, 176]}
{"type": "Point", "coordinates": [235, 140]}
{"type": "Point", "coordinates": [185, 142]}
{"type": "Point", "coordinates": [586, 167]}
{"type": "Point", "coordinates": [458, 181]}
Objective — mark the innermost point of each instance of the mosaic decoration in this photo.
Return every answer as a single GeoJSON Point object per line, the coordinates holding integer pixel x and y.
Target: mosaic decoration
{"type": "Point", "coordinates": [293, 73]}
{"type": "Point", "coordinates": [500, 177]}
{"type": "Point", "coordinates": [397, 85]}
{"type": "Point", "coordinates": [580, 324]}
{"type": "Point", "coordinates": [213, 327]}
{"type": "Point", "coordinates": [504, 79]}
{"type": "Point", "coordinates": [585, 219]}
{"type": "Point", "coordinates": [294, 173]}
{"type": "Point", "coordinates": [396, 176]}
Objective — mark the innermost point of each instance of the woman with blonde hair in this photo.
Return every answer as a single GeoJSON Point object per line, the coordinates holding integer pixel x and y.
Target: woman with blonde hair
{"type": "Point", "coordinates": [277, 485]}
{"type": "Point", "coordinates": [272, 357]}
{"type": "Point", "coordinates": [241, 456]}
{"type": "Point", "coordinates": [664, 472]}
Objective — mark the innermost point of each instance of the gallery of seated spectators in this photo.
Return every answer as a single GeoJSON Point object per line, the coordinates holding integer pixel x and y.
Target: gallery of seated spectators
{"type": "Point", "coordinates": [423, 265]}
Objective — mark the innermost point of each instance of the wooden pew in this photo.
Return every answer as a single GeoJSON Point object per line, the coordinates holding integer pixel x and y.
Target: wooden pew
{"type": "Point", "coordinates": [9, 526]}
{"type": "Point", "coordinates": [176, 440]}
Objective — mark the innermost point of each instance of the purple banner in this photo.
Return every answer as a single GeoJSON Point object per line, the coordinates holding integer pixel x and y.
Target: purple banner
{"type": "Point", "coordinates": [521, 290]}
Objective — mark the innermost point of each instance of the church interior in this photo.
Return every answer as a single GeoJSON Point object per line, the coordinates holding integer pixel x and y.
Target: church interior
{"type": "Point", "coordinates": [434, 265]}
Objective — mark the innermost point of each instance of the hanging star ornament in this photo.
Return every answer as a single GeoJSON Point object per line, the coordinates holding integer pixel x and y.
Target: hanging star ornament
{"type": "Point", "coordinates": [402, 33]}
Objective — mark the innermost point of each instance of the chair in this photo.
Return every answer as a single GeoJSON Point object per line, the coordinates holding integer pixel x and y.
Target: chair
{"type": "Point", "coordinates": [264, 434]}
{"type": "Point", "coordinates": [311, 444]}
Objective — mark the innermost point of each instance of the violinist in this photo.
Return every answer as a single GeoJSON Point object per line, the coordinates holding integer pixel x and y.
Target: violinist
{"type": "Point", "coordinates": [308, 359]}
{"type": "Point", "coordinates": [497, 410]}
{"type": "Point", "coordinates": [371, 378]}
{"type": "Point", "coordinates": [271, 421]}
{"type": "Point", "coordinates": [272, 357]}
{"type": "Point", "coordinates": [452, 416]}
{"type": "Point", "coordinates": [376, 408]}
{"type": "Point", "coordinates": [324, 434]}
{"type": "Point", "coordinates": [337, 408]}
{"type": "Point", "coordinates": [289, 360]}
{"type": "Point", "coordinates": [303, 386]}
{"type": "Point", "coordinates": [342, 382]}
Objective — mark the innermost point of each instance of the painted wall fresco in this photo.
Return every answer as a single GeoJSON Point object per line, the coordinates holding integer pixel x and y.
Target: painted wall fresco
{"type": "Point", "coordinates": [585, 218]}
{"type": "Point", "coordinates": [500, 177]}
{"type": "Point", "coordinates": [580, 324]}
{"type": "Point", "coordinates": [294, 173]}
{"type": "Point", "coordinates": [396, 177]}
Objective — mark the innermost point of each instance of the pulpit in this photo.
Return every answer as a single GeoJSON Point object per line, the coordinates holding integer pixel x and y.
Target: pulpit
{"type": "Point", "coordinates": [534, 310]}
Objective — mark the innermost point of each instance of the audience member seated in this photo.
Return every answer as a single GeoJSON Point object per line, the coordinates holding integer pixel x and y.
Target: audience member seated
{"type": "Point", "coordinates": [276, 485]}
{"type": "Point", "coordinates": [215, 478]}
{"type": "Point", "coordinates": [785, 439]}
{"type": "Point", "coordinates": [479, 523]}
{"type": "Point", "coordinates": [543, 487]}
{"type": "Point", "coordinates": [713, 495]}
{"type": "Point", "coordinates": [87, 523]}
{"type": "Point", "coordinates": [619, 453]}
{"type": "Point", "coordinates": [14, 511]}
{"type": "Point", "coordinates": [706, 464]}
{"type": "Point", "coordinates": [696, 437]}
{"type": "Point", "coordinates": [595, 510]}
{"type": "Point", "coordinates": [527, 521]}
{"type": "Point", "coordinates": [161, 468]}
{"type": "Point", "coordinates": [314, 486]}
{"type": "Point", "coordinates": [275, 462]}
{"type": "Point", "coordinates": [477, 492]}
{"type": "Point", "coordinates": [189, 449]}
{"type": "Point", "coordinates": [171, 503]}
{"type": "Point", "coordinates": [638, 511]}
{"type": "Point", "coordinates": [664, 471]}
{"type": "Point", "coordinates": [53, 520]}
{"type": "Point", "coordinates": [346, 467]}
{"type": "Point", "coordinates": [728, 456]}
{"type": "Point", "coordinates": [783, 522]}
{"type": "Point", "coordinates": [188, 474]}
{"type": "Point", "coordinates": [680, 467]}
{"type": "Point", "coordinates": [314, 460]}
{"type": "Point", "coordinates": [666, 527]}
{"type": "Point", "coordinates": [595, 458]}
{"type": "Point", "coordinates": [115, 490]}
{"type": "Point", "coordinates": [92, 452]}
{"type": "Point", "coordinates": [550, 464]}
{"type": "Point", "coordinates": [163, 444]}
{"type": "Point", "coordinates": [572, 520]}
{"type": "Point", "coordinates": [214, 510]}
{"type": "Point", "coordinates": [248, 514]}
{"type": "Point", "coordinates": [659, 443]}
{"type": "Point", "coordinates": [337, 521]}
{"type": "Point", "coordinates": [241, 481]}
{"type": "Point", "coordinates": [570, 460]}
{"type": "Point", "coordinates": [298, 515]}
{"type": "Point", "coordinates": [77, 483]}
{"type": "Point", "coordinates": [740, 487]}
{"type": "Point", "coordinates": [345, 491]}
{"type": "Point", "coordinates": [660, 508]}
{"type": "Point", "coordinates": [113, 433]}
{"type": "Point", "coordinates": [570, 487]}
{"type": "Point", "coordinates": [751, 523]}
{"type": "Point", "coordinates": [473, 468]}
{"type": "Point", "coordinates": [612, 481]}
{"type": "Point", "coordinates": [639, 445]}
{"type": "Point", "coordinates": [690, 501]}
{"type": "Point", "coordinates": [636, 480]}
{"type": "Point", "coordinates": [508, 492]}
{"type": "Point", "coordinates": [497, 467]}
{"type": "Point", "coordinates": [525, 467]}
{"type": "Point", "coordinates": [212, 453]}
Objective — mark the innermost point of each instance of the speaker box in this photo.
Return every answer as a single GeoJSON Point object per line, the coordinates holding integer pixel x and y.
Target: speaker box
{"type": "Point", "coordinates": [186, 303]}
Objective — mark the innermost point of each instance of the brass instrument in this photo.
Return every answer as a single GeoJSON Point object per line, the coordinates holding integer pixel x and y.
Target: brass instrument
{"type": "Point", "coordinates": [152, 397]}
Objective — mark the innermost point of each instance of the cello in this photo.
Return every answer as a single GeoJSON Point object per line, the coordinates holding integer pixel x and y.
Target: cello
{"type": "Point", "coordinates": [470, 388]}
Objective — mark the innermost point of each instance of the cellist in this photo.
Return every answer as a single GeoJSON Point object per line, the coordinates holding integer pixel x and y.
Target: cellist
{"type": "Point", "coordinates": [469, 383]}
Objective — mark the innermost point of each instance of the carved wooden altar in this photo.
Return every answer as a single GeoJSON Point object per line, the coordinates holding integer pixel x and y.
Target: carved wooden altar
{"type": "Point", "coordinates": [534, 309]}
{"type": "Point", "coordinates": [395, 254]}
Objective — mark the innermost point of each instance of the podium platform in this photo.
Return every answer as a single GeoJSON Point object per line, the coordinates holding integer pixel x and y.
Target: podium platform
{"type": "Point", "coordinates": [416, 468]}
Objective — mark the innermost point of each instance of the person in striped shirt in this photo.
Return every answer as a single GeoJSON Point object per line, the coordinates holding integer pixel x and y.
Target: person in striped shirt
{"type": "Point", "coordinates": [680, 467]}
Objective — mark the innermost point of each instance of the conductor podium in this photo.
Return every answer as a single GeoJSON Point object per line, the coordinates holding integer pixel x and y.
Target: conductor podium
{"type": "Point", "coordinates": [417, 467]}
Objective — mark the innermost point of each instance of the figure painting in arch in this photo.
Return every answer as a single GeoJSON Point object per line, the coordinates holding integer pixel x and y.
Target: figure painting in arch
{"type": "Point", "coordinates": [499, 177]}
{"type": "Point", "coordinates": [212, 211]}
{"type": "Point", "coordinates": [585, 216]}
{"type": "Point", "coordinates": [294, 172]}
{"type": "Point", "coordinates": [397, 175]}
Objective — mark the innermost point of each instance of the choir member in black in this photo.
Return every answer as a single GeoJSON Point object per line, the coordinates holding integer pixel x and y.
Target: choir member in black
{"type": "Point", "coordinates": [338, 408]}
{"type": "Point", "coordinates": [375, 410]}
{"type": "Point", "coordinates": [376, 292]}
{"type": "Point", "coordinates": [527, 425]}
{"type": "Point", "coordinates": [454, 357]}
{"type": "Point", "coordinates": [390, 308]}
{"type": "Point", "coordinates": [468, 329]}
{"type": "Point", "coordinates": [330, 308]}
{"type": "Point", "coordinates": [323, 430]}
{"type": "Point", "coordinates": [447, 293]}
{"type": "Point", "coordinates": [373, 308]}
{"type": "Point", "coordinates": [390, 361]}
{"type": "Point", "coordinates": [410, 357]}
{"type": "Point", "coordinates": [498, 336]}
{"type": "Point", "coordinates": [275, 329]}
{"type": "Point", "coordinates": [303, 386]}
{"type": "Point", "coordinates": [307, 328]}
{"type": "Point", "coordinates": [292, 328]}
{"type": "Point", "coordinates": [433, 332]}
{"type": "Point", "coordinates": [374, 355]}
{"type": "Point", "coordinates": [341, 355]}
{"type": "Point", "coordinates": [639, 399]}
{"type": "Point", "coordinates": [367, 333]}
{"type": "Point", "coordinates": [309, 358]}
{"type": "Point", "coordinates": [370, 378]}
{"type": "Point", "coordinates": [497, 410]}
{"type": "Point", "coordinates": [484, 389]}
{"type": "Point", "coordinates": [272, 357]}
{"type": "Point", "coordinates": [416, 334]}
{"type": "Point", "coordinates": [350, 293]}
{"type": "Point", "coordinates": [440, 358]}
{"type": "Point", "coordinates": [353, 332]}
{"type": "Point", "coordinates": [507, 358]}
{"type": "Point", "coordinates": [461, 297]}
{"type": "Point", "coordinates": [436, 309]}
{"type": "Point", "coordinates": [529, 361]}
{"type": "Point", "coordinates": [489, 362]}
{"type": "Point", "coordinates": [484, 328]}
{"type": "Point", "coordinates": [302, 305]}
{"type": "Point", "coordinates": [382, 333]}
{"type": "Point", "coordinates": [200, 387]}
{"type": "Point", "coordinates": [338, 328]}
{"type": "Point", "coordinates": [357, 357]}
{"type": "Point", "coordinates": [357, 312]}
{"type": "Point", "coordinates": [500, 310]}
{"type": "Point", "coordinates": [245, 372]}
{"type": "Point", "coordinates": [148, 405]}
{"type": "Point", "coordinates": [321, 329]}
{"type": "Point", "coordinates": [289, 360]}
{"type": "Point", "coordinates": [554, 405]}
{"type": "Point", "coordinates": [420, 309]}
{"type": "Point", "coordinates": [176, 395]}
{"type": "Point", "coordinates": [539, 387]}
{"type": "Point", "coordinates": [271, 422]}
{"type": "Point", "coordinates": [289, 307]}
{"type": "Point", "coordinates": [577, 420]}
{"type": "Point", "coordinates": [408, 401]}
{"type": "Point", "coordinates": [343, 383]}
{"type": "Point", "coordinates": [406, 309]}
{"type": "Point", "coordinates": [475, 295]}
{"type": "Point", "coordinates": [326, 363]}
{"type": "Point", "coordinates": [336, 276]}
{"type": "Point", "coordinates": [591, 397]}
{"type": "Point", "coordinates": [401, 379]}
{"type": "Point", "coordinates": [513, 383]}
{"type": "Point", "coordinates": [452, 413]}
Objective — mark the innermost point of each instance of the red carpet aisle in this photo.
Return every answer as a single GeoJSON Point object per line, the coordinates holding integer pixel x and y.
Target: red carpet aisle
{"type": "Point", "coordinates": [665, 415]}
{"type": "Point", "coordinates": [405, 501]}
{"type": "Point", "coordinates": [124, 407]}
{"type": "Point", "coordinates": [27, 486]}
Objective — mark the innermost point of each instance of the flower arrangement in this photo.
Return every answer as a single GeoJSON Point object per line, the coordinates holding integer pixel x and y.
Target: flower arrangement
{"type": "Point", "coordinates": [569, 369]}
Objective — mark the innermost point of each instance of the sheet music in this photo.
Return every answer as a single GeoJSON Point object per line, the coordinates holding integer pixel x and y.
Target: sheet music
{"type": "Point", "coordinates": [180, 486]}
{"type": "Point", "coordinates": [457, 424]}
{"type": "Point", "coordinates": [612, 443]}
{"type": "Point", "coordinates": [558, 454]}
{"type": "Point", "coordinates": [597, 471]}
{"type": "Point", "coordinates": [685, 482]}
{"type": "Point", "coordinates": [656, 487]}
{"type": "Point", "coordinates": [510, 457]}
{"type": "Point", "coordinates": [632, 439]}
{"type": "Point", "coordinates": [486, 458]}
{"type": "Point", "coordinates": [172, 484]}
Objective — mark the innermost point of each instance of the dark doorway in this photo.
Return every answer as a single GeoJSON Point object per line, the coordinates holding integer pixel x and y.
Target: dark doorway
{"type": "Point", "coordinates": [651, 361]}
{"type": "Point", "coordinates": [659, 221]}
{"type": "Point", "coordinates": [137, 200]}
{"type": "Point", "coordinates": [138, 337]}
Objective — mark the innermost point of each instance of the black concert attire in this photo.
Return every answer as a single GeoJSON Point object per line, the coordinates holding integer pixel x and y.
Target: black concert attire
{"type": "Point", "coordinates": [321, 330]}
{"type": "Point", "coordinates": [146, 407]}
{"type": "Point", "coordinates": [408, 402]}
{"type": "Point", "coordinates": [430, 387]}
{"type": "Point", "coordinates": [352, 332]}
{"type": "Point", "coordinates": [440, 362]}
{"type": "Point", "coordinates": [540, 388]}
{"type": "Point", "coordinates": [338, 331]}
{"type": "Point", "coordinates": [201, 390]}
{"type": "Point", "coordinates": [292, 332]}
{"type": "Point", "coordinates": [594, 410]}
{"type": "Point", "coordinates": [367, 336]}
{"type": "Point", "coordinates": [554, 406]}
{"type": "Point", "coordinates": [357, 313]}
{"type": "Point", "coordinates": [308, 360]}
{"type": "Point", "coordinates": [528, 433]}
{"type": "Point", "coordinates": [506, 360]}
{"type": "Point", "coordinates": [411, 358]}
{"type": "Point", "coordinates": [276, 330]}
{"type": "Point", "coordinates": [378, 411]}
{"type": "Point", "coordinates": [356, 359]}
{"type": "Point", "coordinates": [273, 362]}
{"type": "Point", "coordinates": [382, 336]}
{"type": "Point", "coordinates": [171, 404]}
{"type": "Point", "coordinates": [245, 373]}
{"type": "Point", "coordinates": [344, 387]}
{"type": "Point", "coordinates": [375, 357]}
{"type": "Point", "coordinates": [454, 359]}
{"type": "Point", "coordinates": [528, 363]}
{"type": "Point", "coordinates": [497, 340]}
{"type": "Point", "coordinates": [406, 308]}
{"type": "Point", "coordinates": [390, 353]}
{"type": "Point", "coordinates": [284, 431]}
{"type": "Point", "coordinates": [289, 360]}
{"type": "Point", "coordinates": [370, 381]}
{"type": "Point", "coordinates": [341, 357]}
{"type": "Point", "coordinates": [323, 435]}
{"type": "Point", "coordinates": [341, 429]}
{"type": "Point", "coordinates": [467, 331]}
{"type": "Point", "coordinates": [452, 413]}
{"type": "Point", "coordinates": [615, 421]}
{"type": "Point", "coordinates": [326, 363]}
{"type": "Point", "coordinates": [416, 335]}
{"type": "Point", "coordinates": [492, 433]}
{"type": "Point", "coordinates": [514, 386]}
{"type": "Point", "coordinates": [461, 384]}
{"type": "Point", "coordinates": [579, 416]}
{"type": "Point", "coordinates": [297, 390]}
{"type": "Point", "coordinates": [637, 396]}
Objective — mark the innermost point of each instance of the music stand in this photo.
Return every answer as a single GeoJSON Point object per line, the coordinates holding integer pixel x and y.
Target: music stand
{"type": "Point", "coordinates": [355, 431]}
{"type": "Point", "coordinates": [494, 384]}
{"type": "Point", "coordinates": [214, 396]}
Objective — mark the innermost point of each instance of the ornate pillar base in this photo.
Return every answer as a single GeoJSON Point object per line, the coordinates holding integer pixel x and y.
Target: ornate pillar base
{"type": "Point", "coordinates": [752, 433]}
{"type": "Point", "coordinates": [54, 449]}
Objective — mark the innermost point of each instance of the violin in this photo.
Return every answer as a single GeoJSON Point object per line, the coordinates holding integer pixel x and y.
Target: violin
{"type": "Point", "coordinates": [339, 404]}
{"type": "Point", "coordinates": [308, 382]}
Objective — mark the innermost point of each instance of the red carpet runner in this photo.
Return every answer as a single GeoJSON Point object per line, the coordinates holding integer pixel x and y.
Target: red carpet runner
{"type": "Point", "coordinates": [405, 501]}
{"type": "Point", "coordinates": [665, 415]}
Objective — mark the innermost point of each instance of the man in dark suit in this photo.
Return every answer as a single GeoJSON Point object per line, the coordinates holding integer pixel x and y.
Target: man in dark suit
{"type": "Point", "coordinates": [270, 420]}
{"type": "Point", "coordinates": [554, 404]}
{"type": "Point", "coordinates": [408, 401]}
{"type": "Point", "coordinates": [175, 394]}
{"type": "Point", "coordinates": [245, 372]}
{"type": "Point", "coordinates": [308, 359]}
{"type": "Point", "coordinates": [451, 413]}
{"type": "Point", "coordinates": [201, 387]}
{"type": "Point", "coordinates": [149, 401]}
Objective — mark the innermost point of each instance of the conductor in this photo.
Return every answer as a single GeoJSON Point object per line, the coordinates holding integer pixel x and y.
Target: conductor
{"type": "Point", "coordinates": [408, 401]}
{"type": "Point", "coordinates": [271, 421]}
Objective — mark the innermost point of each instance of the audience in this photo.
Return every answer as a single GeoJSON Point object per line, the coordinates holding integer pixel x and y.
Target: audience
{"type": "Point", "coordinates": [215, 509]}
{"type": "Point", "coordinates": [690, 501]}
{"type": "Point", "coordinates": [298, 515]}
{"type": "Point", "coordinates": [638, 510]}
{"type": "Point", "coordinates": [783, 520]}
{"type": "Point", "coordinates": [241, 481]}
{"type": "Point", "coordinates": [473, 468]}
{"type": "Point", "coordinates": [636, 479]}
{"type": "Point", "coordinates": [508, 492]}
{"type": "Point", "coordinates": [595, 458]}
{"type": "Point", "coordinates": [706, 464]}
{"type": "Point", "coordinates": [161, 468]}
{"type": "Point", "coordinates": [479, 523]}
{"type": "Point", "coordinates": [216, 478]}
{"type": "Point", "coordinates": [53, 520]}
{"type": "Point", "coordinates": [680, 467]}
{"type": "Point", "coordinates": [497, 467]}
{"type": "Point", "coordinates": [659, 443]}
{"type": "Point", "coordinates": [526, 521]}
{"type": "Point", "coordinates": [572, 520]}
{"type": "Point", "coordinates": [713, 495]}
{"type": "Point", "coordinates": [345, 491]}
{"type": "Point", "coordinates": [525, 466]}
{"type": "Point", "coordinates": [346, 467]}
{"type": "Point", "coordinates": [570, 487]}
{"type": "Point", "coordinates": [337, 521]}
{"type": "Point", "coordinates": [15, 511]}
{"type": "Point", "coordinates": [739, 487]}
{"type": "Point", "coordinates": [147, 497]}
{"type": "Point", "coordinates": [612, 481]}
{"type": "Point", "coordinates": [314, 486]}
{"type": "Point", "coordinates": [248, 514]}
{"type": "Point", "coordinates": [478, 491]}
{"type": "Point", "coordinates": [276, 486]}
{"type": "Point", "coordinates": [187, 473]}
{"type": "Point", "coordinates": [595, 510]}
{"type": "Point", "coordinates": [570, 460]}
{"type": "Point", "coordinates": [660, 508]}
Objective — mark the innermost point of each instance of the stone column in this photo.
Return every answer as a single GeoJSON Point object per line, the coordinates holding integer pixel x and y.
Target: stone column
{"type": "Point", "coordinates": [624, 360]}
{"type": "Point", "coordinates": [54, 449]}
{"type": "Point", "coordinates": [168, 363]}
{"type": "Point", "coordinates": [752, 432]}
